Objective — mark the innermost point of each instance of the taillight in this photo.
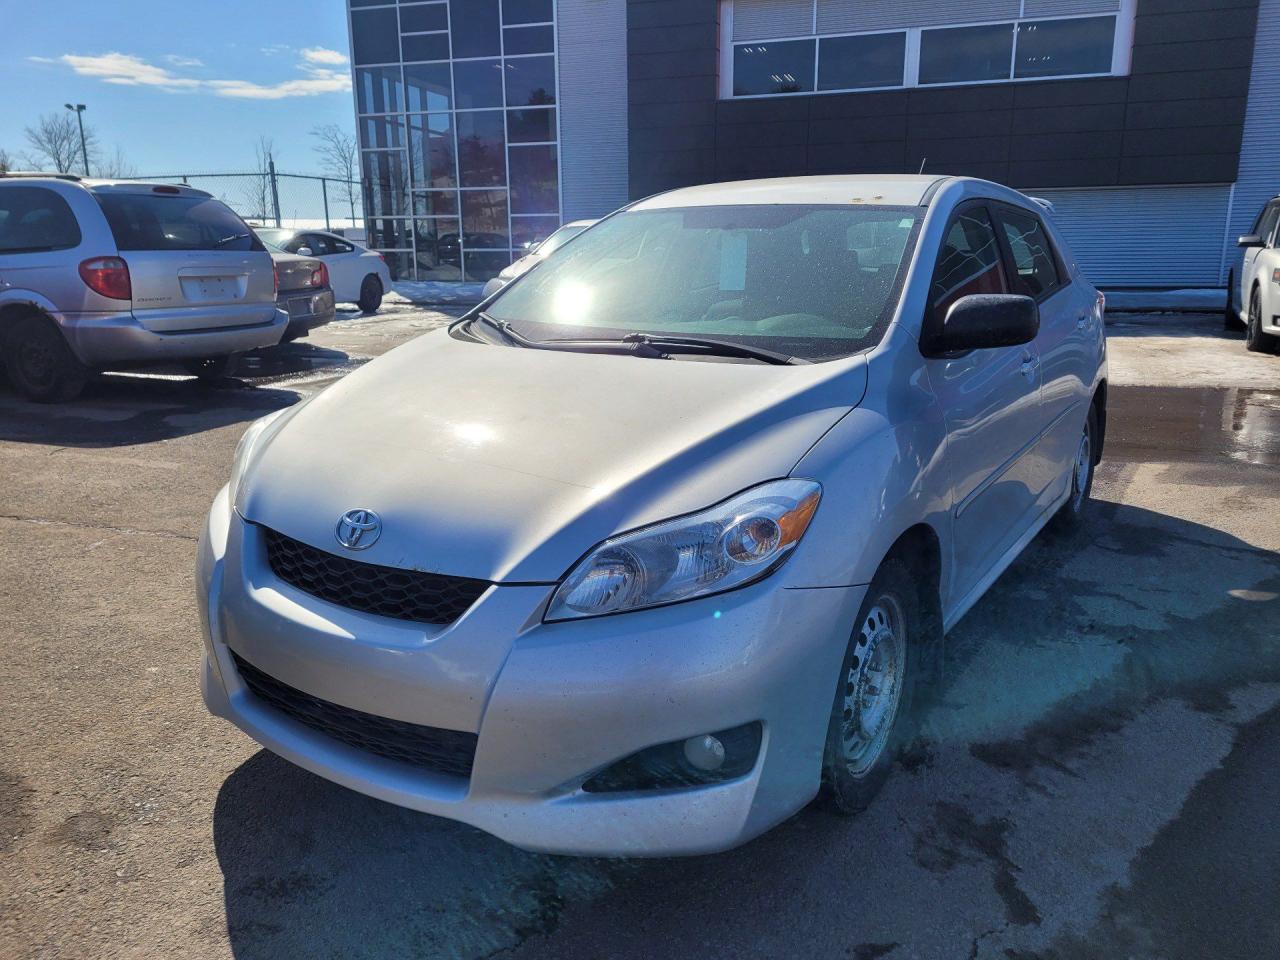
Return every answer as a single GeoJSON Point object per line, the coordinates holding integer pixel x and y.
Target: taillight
{"type": "Point", "coordinates": [320, 276]}
{"type": "Point", "coordinates": [275, 276]}
{"type": "Point", "coordinates": [382, 258]}
{"type": "Point", "coordinates": [108, 277]}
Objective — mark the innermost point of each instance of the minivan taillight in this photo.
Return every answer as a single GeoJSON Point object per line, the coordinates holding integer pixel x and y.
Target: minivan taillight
{"type": "Point", "coordinates": [107, 277]}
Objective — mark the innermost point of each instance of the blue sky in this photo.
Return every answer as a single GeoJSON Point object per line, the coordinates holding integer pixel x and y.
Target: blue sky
{"type": "Point", "coordinates": [179, 86]}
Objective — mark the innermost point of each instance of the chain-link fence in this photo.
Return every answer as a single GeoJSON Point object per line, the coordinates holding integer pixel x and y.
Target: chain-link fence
{"type": "Point", "coordinates": [271, 198]}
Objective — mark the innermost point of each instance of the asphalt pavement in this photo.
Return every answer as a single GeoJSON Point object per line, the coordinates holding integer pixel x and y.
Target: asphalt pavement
{"type": "Point", "coordinates": [1098, 779]}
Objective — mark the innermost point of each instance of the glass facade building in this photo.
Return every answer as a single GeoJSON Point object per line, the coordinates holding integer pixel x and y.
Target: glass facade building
{"type": "Point", "coordinates": [459, 134]}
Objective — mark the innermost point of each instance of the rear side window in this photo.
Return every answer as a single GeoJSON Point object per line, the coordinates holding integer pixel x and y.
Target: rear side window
{"type": "Point", "coordinates": [36, 220]}
{"type": "Point", "coordinates": [968, 263]}
{"type": "Point", "coordinates": [145, 221]}
{"type": "Point", "coordinates": [1035, 268]}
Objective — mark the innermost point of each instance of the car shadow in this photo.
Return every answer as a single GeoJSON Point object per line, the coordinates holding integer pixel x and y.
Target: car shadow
{"type": "Point", "coordinates": [165, 402]}
{"type": "Point", "coordinates": [1079, 633]}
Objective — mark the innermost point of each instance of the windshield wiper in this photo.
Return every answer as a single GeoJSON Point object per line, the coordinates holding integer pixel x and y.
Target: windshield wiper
{"type": "Point", "coordinates": [234, 236]}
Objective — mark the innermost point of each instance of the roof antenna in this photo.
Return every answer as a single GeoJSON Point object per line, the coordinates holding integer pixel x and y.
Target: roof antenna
{"type": "Point", "coordinates": [922, 162]}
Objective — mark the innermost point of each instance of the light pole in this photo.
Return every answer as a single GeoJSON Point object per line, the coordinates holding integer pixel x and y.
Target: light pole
{"type": "Point", "coordinates": [78, 109]}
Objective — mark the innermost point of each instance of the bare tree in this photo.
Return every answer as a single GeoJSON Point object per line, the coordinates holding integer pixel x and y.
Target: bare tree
{"type": "Point", "coordinates": [257, 192]}
{"type": "Point", "coordinates": [114, 167]}
{"type": "Point", "coordinates": [54, 141]}
{"type": "Point", "coordinates": [6, 161]}
{"type": "Point", "coordinates": [340, 158]}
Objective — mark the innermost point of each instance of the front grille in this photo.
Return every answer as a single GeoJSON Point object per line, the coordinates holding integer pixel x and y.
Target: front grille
{"type": "Point", "coordinates": [429, 748]}
{"type": "Point", "coordinates": [388, 591]}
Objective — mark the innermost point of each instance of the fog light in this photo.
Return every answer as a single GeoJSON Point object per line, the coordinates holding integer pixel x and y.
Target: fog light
{"type": "Point", "coordinates": [705, 753]}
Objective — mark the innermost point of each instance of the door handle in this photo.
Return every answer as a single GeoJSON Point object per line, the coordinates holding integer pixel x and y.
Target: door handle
{"type": "Point", "coordinates": [1082, 321]}
{"type": "Point", "coordinates": [1028, 368]}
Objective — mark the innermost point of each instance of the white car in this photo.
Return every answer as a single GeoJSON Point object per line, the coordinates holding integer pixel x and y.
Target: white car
{"type": "Point", "coordinates": [1259, 283]}
{"type": "Point", "coordinates": [537, 253]}
{"type": "Point", "coordinates": [357, 274]}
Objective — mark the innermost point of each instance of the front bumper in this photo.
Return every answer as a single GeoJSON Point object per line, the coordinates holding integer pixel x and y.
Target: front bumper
{"type": "Point", "coordinates": [551, 704]}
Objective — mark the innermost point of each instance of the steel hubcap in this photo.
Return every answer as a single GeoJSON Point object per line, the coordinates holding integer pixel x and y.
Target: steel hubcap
{"type": "Point", "coordinates": [1080, 476]}
{"type": "Point", "coordinates": [873, 687]}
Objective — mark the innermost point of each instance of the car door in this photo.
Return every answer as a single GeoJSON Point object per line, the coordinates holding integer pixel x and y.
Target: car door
{"type": "Point", "coordinates": [990, 402]}
{"type": "Point", "coordinates": [345, 268]}
{"type": "Point", "coordinates": [1067, 343]}
{"type": "Point", "coordinates": [1252, 270]}
{"type": "Point", "coordinates": [1267, 271]}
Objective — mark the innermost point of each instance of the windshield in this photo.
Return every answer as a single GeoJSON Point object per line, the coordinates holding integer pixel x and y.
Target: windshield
{"type": "Point", "coordinates": [273, 237]}
{"type": "Point", "coordinates": [557, 239]}
{"type": "Point", "coordinates": [809, 281]}
{"type": "Point", "coordinates": [153, 221]}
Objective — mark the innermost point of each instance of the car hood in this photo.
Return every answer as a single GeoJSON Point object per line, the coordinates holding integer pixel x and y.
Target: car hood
{"type": "Point", "coordinates": [508, 464]}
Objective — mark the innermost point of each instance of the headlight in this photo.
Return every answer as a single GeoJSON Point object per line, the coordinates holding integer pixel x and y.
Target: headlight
{"type": "Point", "coordinates": [244, 450]}
{"type": "Point", "coordinates": [740, 540]}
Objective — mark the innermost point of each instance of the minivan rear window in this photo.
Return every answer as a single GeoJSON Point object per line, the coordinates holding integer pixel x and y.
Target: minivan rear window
{"type": "Point", "coordinates": [144, 221]}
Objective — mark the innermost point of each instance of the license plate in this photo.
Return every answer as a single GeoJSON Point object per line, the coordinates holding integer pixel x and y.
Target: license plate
{"type": "Point", "coordinates": [299, 306]}
{"type": "Point", "coordinates": [210, 288]}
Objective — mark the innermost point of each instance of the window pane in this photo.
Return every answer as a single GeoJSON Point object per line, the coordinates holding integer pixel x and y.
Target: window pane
{"type": "Point", "coordinates": [474, 25]}
{"type": "Point", "coordinates": [439, 254]}
{"type": "Point", "coordinates": [966, 53]}
{"type": "Point", "coordinates": [484, 266]}
{"type": "Point", "coordinates": [430, 16]}
{"type": "Point", "coordinates": [434, 203]}
{"type": "Point", "coordinates": [478, 83]}
{"type": "Point", "coordinates": [480, 149]}
{"type": "Point", "coordinates": [1051, 48]}
{"type": "Point", "coordinates": [431, 150]}
{"type": "Point", "coordinates": [526, 11]}
{"type": "Point", "coordinates": [35, 219]}
{"type": "Point", "coordinates": [534, 180]}
{"type": "Point", "coordinates": [531, 126]}
{"type": "Point", "coordinates": [428, 87]}
{"type": "Point", "coordinates": [528, 40]}
{"type": "Point", "coordinates": [427, 46]}
{"type": "Point", "coordinates": [151, 222]}
{"type": "Point", "coordinates": [389, 233]}
{"type": "Point", "coordinates": [968, 263]}
{"type": "Point", "coordinates": [1035, 269]}
{"type": "Point", "coordinates": [484, 220]}
{"type": "Point", "coordinates": [846, 63]}
{"type": "Point", "coordinates": [531, 81]}
{"type": "Point", "coordinates": [530, 230]}
{"type": "Point", "coordinates": [375, 36]}
{"type": "Point", "coordinates": [378, 90]}
{"type": "Point", "coordinates": [400, 265]}
{"type": "Point", "coordinates": [778, 67]}
{"type": "Point", "coordinates": [381, 132]}
{"type": "Point", "coordinates": [386, 188]}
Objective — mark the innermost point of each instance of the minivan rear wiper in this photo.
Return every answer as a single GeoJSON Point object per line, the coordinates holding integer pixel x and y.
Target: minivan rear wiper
{"type": "Point", "coordinates": [654, 345]}
{"type": "Point", "coordinates": [234, 236]}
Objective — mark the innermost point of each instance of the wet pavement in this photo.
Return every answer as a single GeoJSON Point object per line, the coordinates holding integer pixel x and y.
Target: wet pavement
{"type": "Point", "coordinates": [1097, 779]}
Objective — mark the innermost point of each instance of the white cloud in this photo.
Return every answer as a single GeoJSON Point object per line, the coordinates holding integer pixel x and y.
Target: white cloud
{"type": "Point", "coordinates": [125, 69]}
{"type": "Point", "coordinates": [323, 55]}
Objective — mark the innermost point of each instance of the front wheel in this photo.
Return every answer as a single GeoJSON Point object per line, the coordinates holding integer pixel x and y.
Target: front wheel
{"type": "Point", "coordinates": [39, 362]}
{"type": "Point", "coordinates": [370, 294]}
{"type": "Point", "coordinates": [1256, 340]}
{"type": "Point", "coordinates": [871, 716]}
{"type": "Point", "coordinates": [1071, 514]}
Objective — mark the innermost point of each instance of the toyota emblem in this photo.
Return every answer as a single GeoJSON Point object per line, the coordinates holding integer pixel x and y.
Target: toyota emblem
{"type": "Point", "coordinates": [358, 529]}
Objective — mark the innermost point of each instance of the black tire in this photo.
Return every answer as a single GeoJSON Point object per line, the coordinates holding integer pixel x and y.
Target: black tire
{"type": "Point", "coordinates": [1257, 340]}
{"type": "Point", "coordinates": [39, 363]}
{"type": "Point", "coordinates": [855, 766]}
{"type": "Point", "coordinates": [210, 368]}
{"type": "Point", "coordinates": [370, 294]}
{"type": "Point", "coordinates": [1070, 515]}
{"type": "Point", "coordinates": [1230, 318]}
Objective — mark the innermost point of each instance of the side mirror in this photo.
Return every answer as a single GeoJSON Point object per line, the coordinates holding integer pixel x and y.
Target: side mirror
{"type": "Point", "coordinates": [304, 251]}
{"type": "Point", "coordinates": [985, 320]}
{"type": "Point", "coordinates": [1249, 240]}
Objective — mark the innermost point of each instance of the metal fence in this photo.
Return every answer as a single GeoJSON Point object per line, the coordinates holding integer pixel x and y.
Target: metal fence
{"type": "Point", "coordinates": [282, 199]}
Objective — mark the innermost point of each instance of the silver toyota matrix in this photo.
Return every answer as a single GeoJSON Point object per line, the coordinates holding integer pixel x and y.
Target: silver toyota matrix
{"type": "Point", "coordinates": [591, 571]}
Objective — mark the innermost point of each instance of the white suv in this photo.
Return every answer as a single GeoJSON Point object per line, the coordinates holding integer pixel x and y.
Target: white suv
{"type": "Point", "coordinates": [101, 273]}
{"type": "Point", "coordinates": [1259, 287]}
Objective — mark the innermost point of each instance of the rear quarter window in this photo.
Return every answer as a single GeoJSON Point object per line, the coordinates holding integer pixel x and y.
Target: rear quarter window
{"type": "Point", "coordinates": [36, 220]}
{"type": "Point", "coordinates": [145, 221]}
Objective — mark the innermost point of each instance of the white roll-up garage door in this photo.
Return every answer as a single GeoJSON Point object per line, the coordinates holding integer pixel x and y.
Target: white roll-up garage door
{"type": "Point", "coordinates": [1144, 236]}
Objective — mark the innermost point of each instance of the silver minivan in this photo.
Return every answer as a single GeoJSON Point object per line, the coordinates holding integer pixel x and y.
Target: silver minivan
{"type": "Point", "coordinates": [101, 273]}
{"type": "Point", "coordinates": [665, 537]}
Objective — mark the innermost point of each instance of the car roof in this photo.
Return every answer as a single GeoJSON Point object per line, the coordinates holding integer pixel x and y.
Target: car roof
{"type": "Point", "coordinates": [894, 190]}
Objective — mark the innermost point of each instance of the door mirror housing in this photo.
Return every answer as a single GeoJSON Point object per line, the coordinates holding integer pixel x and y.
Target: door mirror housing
{"type": "Point", "coordinates": [304, 251]}
{"type": "Point", "coordinates": [1249, 240]}
{"type": "Point", "coordinates": [984, 320]}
